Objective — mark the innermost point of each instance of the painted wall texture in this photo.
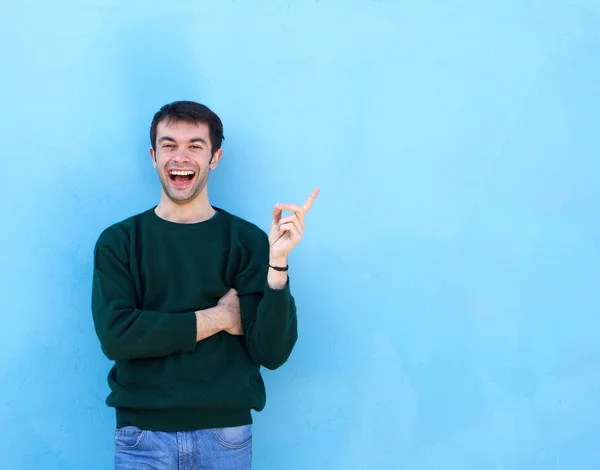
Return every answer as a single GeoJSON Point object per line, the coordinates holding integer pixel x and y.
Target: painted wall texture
{"type": "Point", "coordinates": [448, 282]}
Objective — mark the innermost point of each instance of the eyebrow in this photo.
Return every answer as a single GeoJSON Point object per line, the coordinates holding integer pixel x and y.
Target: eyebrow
{"type": "Point", "coordinates": [171, 139]}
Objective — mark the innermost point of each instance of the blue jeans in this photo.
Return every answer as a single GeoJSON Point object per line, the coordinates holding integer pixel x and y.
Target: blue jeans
{"type": "Point", "coordinates": [208, 449]}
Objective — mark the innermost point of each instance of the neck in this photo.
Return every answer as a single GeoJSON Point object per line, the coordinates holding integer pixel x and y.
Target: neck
{"type": "Point", "coordinates": [194, 211]}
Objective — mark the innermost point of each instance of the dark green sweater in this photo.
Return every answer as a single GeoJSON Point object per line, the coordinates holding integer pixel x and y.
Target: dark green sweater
{"type": "Point", "coordinates": [150, 276]}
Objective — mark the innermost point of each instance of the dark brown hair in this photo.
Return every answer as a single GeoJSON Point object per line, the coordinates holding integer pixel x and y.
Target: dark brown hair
{"type": "Point", "coordinates": [191, 112]}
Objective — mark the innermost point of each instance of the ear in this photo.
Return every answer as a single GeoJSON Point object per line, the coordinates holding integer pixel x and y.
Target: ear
{"type": "Point", "coordinates": [153, 157]}
{"type": "Point", "coordinates": [214, 161]}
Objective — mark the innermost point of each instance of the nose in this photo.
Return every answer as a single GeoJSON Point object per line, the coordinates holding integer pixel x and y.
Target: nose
{"type": "Point", "coordinates": [180, 156]}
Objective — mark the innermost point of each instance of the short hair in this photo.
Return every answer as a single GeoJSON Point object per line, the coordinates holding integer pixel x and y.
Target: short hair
{"type": "Point", "coordinates": [191, 112]}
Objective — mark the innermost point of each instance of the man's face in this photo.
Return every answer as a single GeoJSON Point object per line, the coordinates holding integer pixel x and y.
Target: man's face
{"type": "Point", "coordinates": [183, 159]}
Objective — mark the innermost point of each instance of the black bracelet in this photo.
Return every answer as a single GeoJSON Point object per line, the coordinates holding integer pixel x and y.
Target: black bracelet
{"type": "Point", "coordinates": [278, 268]}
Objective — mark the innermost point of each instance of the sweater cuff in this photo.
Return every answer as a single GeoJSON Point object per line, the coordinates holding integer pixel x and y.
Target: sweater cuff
{"type": "Point", "coordinates": [185, 333]}
{"type": "Point", "coordinates": [277, 298]}
{"type": "Point", "coordinates": [282, 291]}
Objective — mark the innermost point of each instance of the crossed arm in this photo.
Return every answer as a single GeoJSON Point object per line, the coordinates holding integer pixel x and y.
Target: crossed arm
{"type": "Point", "coordinates": [264, 312]}
{"type": "Point", "coordinates": [265, 315]}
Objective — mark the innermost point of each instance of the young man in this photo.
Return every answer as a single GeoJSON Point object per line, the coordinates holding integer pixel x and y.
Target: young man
{"type": "Point", "coordinates": [189, 301]}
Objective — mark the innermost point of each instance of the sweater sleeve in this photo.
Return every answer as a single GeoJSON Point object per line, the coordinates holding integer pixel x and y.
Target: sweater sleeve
{"type": "Point", "coordinates": [124, 330]}
{"type": "Point", "coordinates": [268, 315]}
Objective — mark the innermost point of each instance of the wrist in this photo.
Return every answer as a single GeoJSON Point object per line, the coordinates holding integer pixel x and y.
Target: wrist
{"type": "Point", "coordinates": [277, 278]}
{"type": "Point", "coordinates": [278, 261]}
{"type": "Point", "coordinates": [207, 322]}
{"type": "Point", "coordinates": [200, 324]}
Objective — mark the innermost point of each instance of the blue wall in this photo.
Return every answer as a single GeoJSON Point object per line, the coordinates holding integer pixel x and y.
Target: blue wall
{"type": "Point", "coordinates": [448, 281]}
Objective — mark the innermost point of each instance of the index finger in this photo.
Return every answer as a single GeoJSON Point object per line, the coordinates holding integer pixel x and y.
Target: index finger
{"type": "Point", "coordinates": [300, 211]}
{"type": "Point", "coordinates": [309, 202]}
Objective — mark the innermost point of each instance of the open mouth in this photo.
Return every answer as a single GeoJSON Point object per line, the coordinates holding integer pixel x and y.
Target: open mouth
{"type": "Point", "coordinates": [181, 177]}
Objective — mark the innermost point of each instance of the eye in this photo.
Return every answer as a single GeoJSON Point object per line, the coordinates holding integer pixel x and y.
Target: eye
{"type": "Point", "coordinates": [196, 147]}
{"type": "Point", "coordinates": [167, 146]}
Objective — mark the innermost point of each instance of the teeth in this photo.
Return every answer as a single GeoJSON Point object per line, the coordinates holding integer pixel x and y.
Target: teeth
{"type": "Point", "coordinates": [181, 172]}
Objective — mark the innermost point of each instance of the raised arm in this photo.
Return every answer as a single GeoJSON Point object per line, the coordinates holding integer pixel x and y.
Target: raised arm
{"type": "Point", "coordinates": [268, 319]}
{"type": "Point", "coordinates": [267, 307]}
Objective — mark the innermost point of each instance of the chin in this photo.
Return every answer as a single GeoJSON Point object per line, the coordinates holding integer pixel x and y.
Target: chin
{"type": "Point", "coordinates": [181, 198]}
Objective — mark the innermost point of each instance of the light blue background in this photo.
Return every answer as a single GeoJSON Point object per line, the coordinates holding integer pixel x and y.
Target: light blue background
{"type": "Point", "coordinates": [448, 283]}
